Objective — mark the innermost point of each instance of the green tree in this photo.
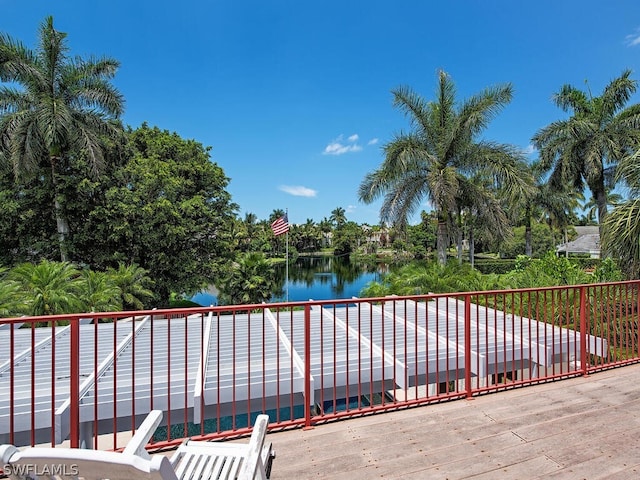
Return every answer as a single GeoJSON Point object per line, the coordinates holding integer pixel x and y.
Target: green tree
{"type": "Point", "coordinates": [347, 238]}
{"type": "Point", "coordinates": [169, 213]}
{"type": "Point", "coordinates": [27, 223]}
{"type": "Point", "coordinates": [584, 149]}
{"type": "Point", "coordinates": [435, 159]}
{"type": "Point", "coordinates": [52, 108]}
{"type": "Point", "coordinates": [535, 236]}
{"type": "Point", "coordinates": [427, 277]}
{"type": "Point", "coordinates": [422, 237]}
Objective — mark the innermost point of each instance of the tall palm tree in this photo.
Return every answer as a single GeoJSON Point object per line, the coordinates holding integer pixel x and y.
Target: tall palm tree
{"type": "Point", "coordinates": [584, 149]}
{"type": "Point", "coordinates": [543, 201]}
{"type": "Point", "coordinates": [338, 217]}
{"type": "Point", "coordinates": [481, 212]}
{"type": "Point", "coordinates": [438, 156]}
{"type": "Point", "coordinates": [622, 226]}
{"type": "Point", "coordinates": [53, 107]}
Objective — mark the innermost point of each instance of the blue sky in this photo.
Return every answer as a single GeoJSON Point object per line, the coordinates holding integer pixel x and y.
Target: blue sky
{"type": "Point", "coordinates": [294, 97]}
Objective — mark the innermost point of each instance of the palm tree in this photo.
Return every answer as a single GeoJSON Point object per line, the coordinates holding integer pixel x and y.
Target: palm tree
{"type": "Point", "coordinates": [134, 285]}
{"type": "Point", "coordinates": [437, 157]}
{"type": "Point", "coordinates": [622, 226]}
{"type": "Point", "coordinates": [49, 288]}
{"type": "Point", "coordinates": [276, 214]}
{"type": "Point", "coordinates": [249, 280]}
{"type": "Point", "coordinates": [326, 231]}
{"type": "Point", "coordinates": [11, 303]}
{"type": "Point", "coordinates": [98, 292]}
{"type": "Point", "coordinates": [338, 217]}
{"type": "Point", "coordinates": [481, 212]}
{"type": "Point", "coordinates": [584, 149]}
{"type": "Point", "coordinates": [543, 201]}
{"type": "Point", "coordinates": [65, 106]}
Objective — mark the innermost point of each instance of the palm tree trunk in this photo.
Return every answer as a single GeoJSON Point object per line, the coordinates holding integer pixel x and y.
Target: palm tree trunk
{"type": "Point", "coordinates": [63, 229]}
{"type": "Point", "coordinates": [61, 221]}
{"type": "Point", "coordinates": [528, 248]}
{"type": "Point", "coordinates": [442, 242]}
{"type": "Point", "coordinates": [472, 248]}
{"type": "Point", "coordinates": [601, 202]}
{"type": "Point", "coordinates": [459, 238]}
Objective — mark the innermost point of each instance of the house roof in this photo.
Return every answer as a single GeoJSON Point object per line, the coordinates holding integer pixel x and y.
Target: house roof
{"type": "Point", "coordinates": [588, 241]}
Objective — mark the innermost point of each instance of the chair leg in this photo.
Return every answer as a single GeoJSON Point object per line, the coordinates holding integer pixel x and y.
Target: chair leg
{"type": "Point", "coordinates": [269, 462]}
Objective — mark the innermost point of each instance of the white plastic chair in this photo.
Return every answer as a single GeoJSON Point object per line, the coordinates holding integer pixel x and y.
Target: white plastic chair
{"type": "Point", "coordinates": [192, 460]}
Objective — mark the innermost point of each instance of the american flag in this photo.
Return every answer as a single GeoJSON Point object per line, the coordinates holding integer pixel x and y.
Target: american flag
{"type": "Point", "coordinates": [280, 226]}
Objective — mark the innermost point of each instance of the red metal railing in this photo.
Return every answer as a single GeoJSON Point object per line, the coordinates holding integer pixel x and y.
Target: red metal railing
{"type": "Point", "coordinates": [89, 379]}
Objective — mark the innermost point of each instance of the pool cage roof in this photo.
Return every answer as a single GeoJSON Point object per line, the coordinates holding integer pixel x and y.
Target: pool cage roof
{"type": "Point", "coordinates": [216, 360]}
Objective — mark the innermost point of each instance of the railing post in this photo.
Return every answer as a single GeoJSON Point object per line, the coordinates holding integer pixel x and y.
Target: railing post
{"type": "Point", "coordinates": [467, 347]}
{"type": "Point", "coordinates": [307, 365]}
{"type": "Point", "coordinates": [74, 387]}
{"type": "Point", "coordinates": [583, 330]}
{"type": "Point", "coordinates": [637, 292]}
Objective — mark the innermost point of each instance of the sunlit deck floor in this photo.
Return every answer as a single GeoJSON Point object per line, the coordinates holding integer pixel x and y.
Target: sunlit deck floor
{"type": "Point", "coordinates": [582, 428]}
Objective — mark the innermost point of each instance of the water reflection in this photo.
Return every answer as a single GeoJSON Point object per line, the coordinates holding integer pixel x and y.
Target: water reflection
{"type": "Point", "coordinates": [317, 278]}
{"type": "Point", "coordinates": [324, 278]}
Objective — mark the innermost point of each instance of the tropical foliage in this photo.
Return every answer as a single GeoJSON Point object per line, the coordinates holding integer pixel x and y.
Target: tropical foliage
{"type": "Point", "coordinates": [145, 215]}
{"type": "Point", "coordinates": [249, 280]}
{"type": "Point", "coordinates": [52, 108]}
{"type": "Point", "coordinates": [53, 288]}
{"type": "Point", "coordinates": [167, 211]}
{"type": "Point", "coordinates": [621, 237]}
{"type": "Point", "coordinates": [584, 149]}
{"type": "Point", "coordinates": [438, 158]}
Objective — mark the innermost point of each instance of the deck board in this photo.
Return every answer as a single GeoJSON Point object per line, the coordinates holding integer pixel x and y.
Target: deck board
{"type": "Point", "coordinates": [581, 428]}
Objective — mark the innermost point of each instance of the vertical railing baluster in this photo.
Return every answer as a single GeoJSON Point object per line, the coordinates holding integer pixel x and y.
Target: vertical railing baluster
{"type": "Point", "coordinates": [307, 365]}
{"type": "Point", "coordinates": [583, 330]}
{"type": "Point", "coordinates": [74, 390]}
{"type": "Point", "coordinates": [467, 347]}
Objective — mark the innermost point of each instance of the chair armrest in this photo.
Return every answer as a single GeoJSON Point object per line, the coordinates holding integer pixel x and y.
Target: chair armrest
{"type": "Point", "coordinates": [143, 434]}
{"type": "Point", "coordinates": [253, 463]}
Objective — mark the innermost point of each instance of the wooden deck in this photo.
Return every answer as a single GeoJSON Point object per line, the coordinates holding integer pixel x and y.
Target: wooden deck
{"type": "Point", "coordinates": [582, 428]}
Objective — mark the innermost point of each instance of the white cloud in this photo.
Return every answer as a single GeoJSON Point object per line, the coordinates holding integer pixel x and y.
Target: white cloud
{"type": "Point", "coordinates": [373, 141]}
{"type": "Point", "coordinates": [350, 209]}
{"type": "Point", "coordinates": [529, 149]}
{"type": "Point", "coordinates": [633, 39]}
{"type": "Point", "coordinates": [298, 191]}
{"type": "Point", "coordinates": [339, 146]}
